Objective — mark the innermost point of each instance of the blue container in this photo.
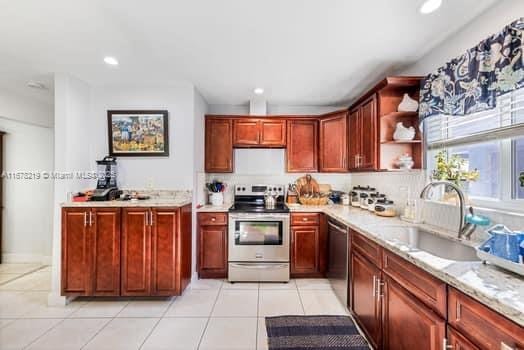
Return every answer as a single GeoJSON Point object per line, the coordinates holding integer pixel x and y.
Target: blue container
{"type": "Point", "coordinates": [505, 243]}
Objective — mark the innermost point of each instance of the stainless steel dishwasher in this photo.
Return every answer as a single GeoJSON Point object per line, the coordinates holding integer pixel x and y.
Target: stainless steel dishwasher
{"type": "Point", "coordinates": [337, 274]}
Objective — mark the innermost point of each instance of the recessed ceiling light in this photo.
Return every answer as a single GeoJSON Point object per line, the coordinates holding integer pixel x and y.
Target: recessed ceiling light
{"type": "Point", "coordinates": [258, 91]}
{"type": "Point", "coordinates": [111, 61]}
{"type": "Point", "coordinates": [430, 6]}
{"type": "Point", "coordinates": [36, 85]}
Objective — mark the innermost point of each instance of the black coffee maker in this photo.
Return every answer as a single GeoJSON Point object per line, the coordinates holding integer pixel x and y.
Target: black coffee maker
{"type": "Point", "coordinates": [106, 187]}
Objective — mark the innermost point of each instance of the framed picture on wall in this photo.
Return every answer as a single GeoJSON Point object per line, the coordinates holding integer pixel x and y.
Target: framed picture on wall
{"type": "Point", "coordinates": [138, 133]}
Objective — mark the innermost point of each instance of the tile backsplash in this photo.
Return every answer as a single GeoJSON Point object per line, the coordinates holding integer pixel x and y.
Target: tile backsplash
{"type": "Point", "coordinates": [396, 185]}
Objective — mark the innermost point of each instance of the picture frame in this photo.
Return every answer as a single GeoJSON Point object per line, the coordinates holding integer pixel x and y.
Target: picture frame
{"type": "Point", "coordinates": [138, 133]}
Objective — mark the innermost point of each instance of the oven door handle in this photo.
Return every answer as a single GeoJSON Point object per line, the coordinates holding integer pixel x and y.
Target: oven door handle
{"type": "Point", "coordinates": [258, 266]}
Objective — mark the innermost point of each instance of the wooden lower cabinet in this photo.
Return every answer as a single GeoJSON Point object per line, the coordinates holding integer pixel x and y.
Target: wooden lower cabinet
{"type": "Point", "coordinates": [366, 306]}
{"type": "Point", "coordinates": [90, 251]}
{"type": "Point", "coordinates": [105, 243]}
{"type": "Point", "coordinates": [136, 252]}
{"type": "Point", "coordinates": [305, 250]}
{"type": "Point", "coordinates": [308, 245]}
{"type": "Point", "coordinates": [402, 312]}
{"type": "Point", "coordinates": [483, 327]}
{"type": "Point", "coordinates": [212, 245]}
{"type": "Point", "coordinates": [126, 252]}
{"type": "Point", "coordinates": [457, 341]}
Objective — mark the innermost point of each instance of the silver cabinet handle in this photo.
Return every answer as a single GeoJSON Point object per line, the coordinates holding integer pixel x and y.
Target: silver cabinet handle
{"type": "Point", "coordinates": [147, 218]}
{"type": "Point", "coordinates": [90, 218]}
{"type": "Point", "coordinates": [151, 216]}
{"type": "Point", "coordinates": [259, 266]}
{"type": "Point", "coordinates": [380, 288]}
{"type": "Point", "coordinates": [336, 227]}
{"type": "Point", "coordinates": [374, 286]}
{"type": "Point", "coordinates": [445, 345]}
{"type": "Point", "coordinates": [504, 346]}
{"type": "Point", "coordinates": [85, 218]}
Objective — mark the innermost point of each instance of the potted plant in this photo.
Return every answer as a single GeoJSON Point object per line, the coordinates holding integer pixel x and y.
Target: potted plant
{"type": "Point", "coordinates": [453, 170]}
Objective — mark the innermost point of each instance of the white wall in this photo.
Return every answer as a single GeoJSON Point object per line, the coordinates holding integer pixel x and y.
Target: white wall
{"type": "Point", "coordinates": [173, 172]}
{"type": "Point", "coordinates": [28, 146]}
{"type": "Point", "coordinates": [492, 21]}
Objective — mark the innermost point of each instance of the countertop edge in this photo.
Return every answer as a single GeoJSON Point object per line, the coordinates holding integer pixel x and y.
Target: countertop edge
{"type": "Point", "coordinates": [126, 204]}
{"type": "Point", "coordinates": [508, 311]}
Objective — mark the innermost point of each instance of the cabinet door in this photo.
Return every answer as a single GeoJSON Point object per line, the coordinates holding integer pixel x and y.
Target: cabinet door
{"type": "Point", "coordinates": [305, 250]}
{"type": "Point", "coordinates": [458, 342]}
{"type": "Point", "coordinates": [333, 143]}
{"type": "Point", "coordinates": [164, 237]}
{"type": "Point", "coordinates": [246, 132]}
{"type": "Point", "coordinates": [355, 139]}
{"type": "Point", "coordinates": [219, 145]}
{"type": "Point", "coordinates": [273, 133]}
{"type": "Point", "coordinates": [365, 303]}
{"type": "Point", "coordinates": [136, 252]}
{"type": "Point", "coordinates": [302, 146]}
{"type": "Point", "coordinates": [212, 251]}
{"type": "Point", "coordinates": [76, 262]}
{"type": "Point", "coordinates": [402, 311]}
{"type": "Point", "coordinates": [368, 128]}
{"type": "Point", "coordinates": [105, 245]}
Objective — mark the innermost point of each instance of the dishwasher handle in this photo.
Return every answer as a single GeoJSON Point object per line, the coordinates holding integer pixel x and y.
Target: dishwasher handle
{"type": "Point", "coordinates": [337, 227]}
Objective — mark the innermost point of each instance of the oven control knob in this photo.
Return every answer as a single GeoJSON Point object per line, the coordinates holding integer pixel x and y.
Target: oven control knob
{"type": "Point", "coordinates": [238, 188]}
{"type": "Point", "coordinates": [243, 188]}
{"type": "Point", "coordinates": [279, 189]}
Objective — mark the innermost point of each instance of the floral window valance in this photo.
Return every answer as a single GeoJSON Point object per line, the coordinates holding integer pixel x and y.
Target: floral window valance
{"type": "Point", "coordinates": [472, 82]}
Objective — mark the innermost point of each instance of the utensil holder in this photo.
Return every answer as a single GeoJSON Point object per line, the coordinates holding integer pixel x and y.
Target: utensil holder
{"type": "Point", "coordinates": [216, 198]}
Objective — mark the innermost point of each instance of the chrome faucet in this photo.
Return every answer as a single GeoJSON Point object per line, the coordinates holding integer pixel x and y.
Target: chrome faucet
{"type": "Point", "coordinates": [466, 229]}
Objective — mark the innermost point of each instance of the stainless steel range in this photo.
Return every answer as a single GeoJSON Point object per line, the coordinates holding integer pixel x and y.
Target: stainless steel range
{"type": "Point", "coordinates": [259, 235]}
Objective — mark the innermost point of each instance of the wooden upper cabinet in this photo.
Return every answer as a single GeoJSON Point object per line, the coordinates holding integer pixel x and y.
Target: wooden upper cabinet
{"type": "Point", "coordinates": [363, 135]}
{"type": "Point", "coordinates": [402, 311]}
{"type": "Point", "coordinates": [256, 132]}
{"type": "Point", "coordinates": [273, 133]}
{"type": "Point", "coordinates": [76, 266]}
{"type": "Point", "coordinates": [368, 126]}
{"type": "Point", "coordinates": [246, 132]}
{"type": "Point", "coordinates": [355, 138]}
{"type": "Point", "coordinates": [105, 245]}
{"type": "Point", "coordinates": [302, 146]}
{"type": "Point", "coordinates": [333, 143]}
{"type": "Point", "coordinates": [219, 145]}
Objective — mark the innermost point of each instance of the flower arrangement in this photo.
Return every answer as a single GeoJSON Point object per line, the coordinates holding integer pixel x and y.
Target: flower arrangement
{"type": "Point", "coordinates": [452, 169]}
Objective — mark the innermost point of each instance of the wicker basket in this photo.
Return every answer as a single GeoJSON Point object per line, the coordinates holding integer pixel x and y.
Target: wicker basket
{"type": "Point", "coordinates": [313, 200]}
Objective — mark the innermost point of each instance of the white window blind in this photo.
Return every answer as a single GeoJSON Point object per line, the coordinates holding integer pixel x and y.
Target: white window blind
{"type": "Point", "coordinates": [504, 121]}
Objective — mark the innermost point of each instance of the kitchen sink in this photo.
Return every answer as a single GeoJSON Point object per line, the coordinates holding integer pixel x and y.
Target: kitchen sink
{"type": "Point", "coordinates": [420, 239]}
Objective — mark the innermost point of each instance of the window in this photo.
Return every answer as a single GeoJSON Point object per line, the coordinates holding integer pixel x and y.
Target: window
{"type": "Point", "coordinates": [491, 142]}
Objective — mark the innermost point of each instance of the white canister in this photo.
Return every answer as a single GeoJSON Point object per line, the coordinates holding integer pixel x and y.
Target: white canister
{"type": "Point", "coordinates": [345, 199]}
{"type": "Point", "coordinates": [216, 198]}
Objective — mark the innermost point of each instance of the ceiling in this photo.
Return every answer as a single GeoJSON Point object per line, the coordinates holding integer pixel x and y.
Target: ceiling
{"type": "Point", "coordinates": [303, 52]}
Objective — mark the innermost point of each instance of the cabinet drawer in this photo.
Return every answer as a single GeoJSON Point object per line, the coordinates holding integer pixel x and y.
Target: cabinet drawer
{"type": "Point", "coordinates": [482, 326]}
{"type": "Point", "coordinates": [212, 218]}
{"type": "Point", "coordinates": [366, 247]}
{"type": "Point", "coordinates": [430, 290]}
{"type": "Point", "coordinates": [298, 219]}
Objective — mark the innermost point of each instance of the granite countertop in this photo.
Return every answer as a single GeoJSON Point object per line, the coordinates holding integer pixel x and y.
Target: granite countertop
{"type": "Point", "coordinates": [160, 198]}
{"type": "Point", "coordinates": [500, 290]}
{"type": "Point", "coordinates": [208, 208]}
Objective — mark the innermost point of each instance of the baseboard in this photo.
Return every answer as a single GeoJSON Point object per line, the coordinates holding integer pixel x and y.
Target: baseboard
{"type": "Point", "coordinates": [54, 299]}
{"type": "Point", "coordinates": [10, 258]}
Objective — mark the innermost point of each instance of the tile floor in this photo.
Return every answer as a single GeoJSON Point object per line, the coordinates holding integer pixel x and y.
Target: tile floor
{"type": "Point", "coordinates": [211, 314]}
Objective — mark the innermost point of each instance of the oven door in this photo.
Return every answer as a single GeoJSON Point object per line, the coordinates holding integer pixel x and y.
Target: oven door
{"type": "Point", "coordinates": [258, 237]}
